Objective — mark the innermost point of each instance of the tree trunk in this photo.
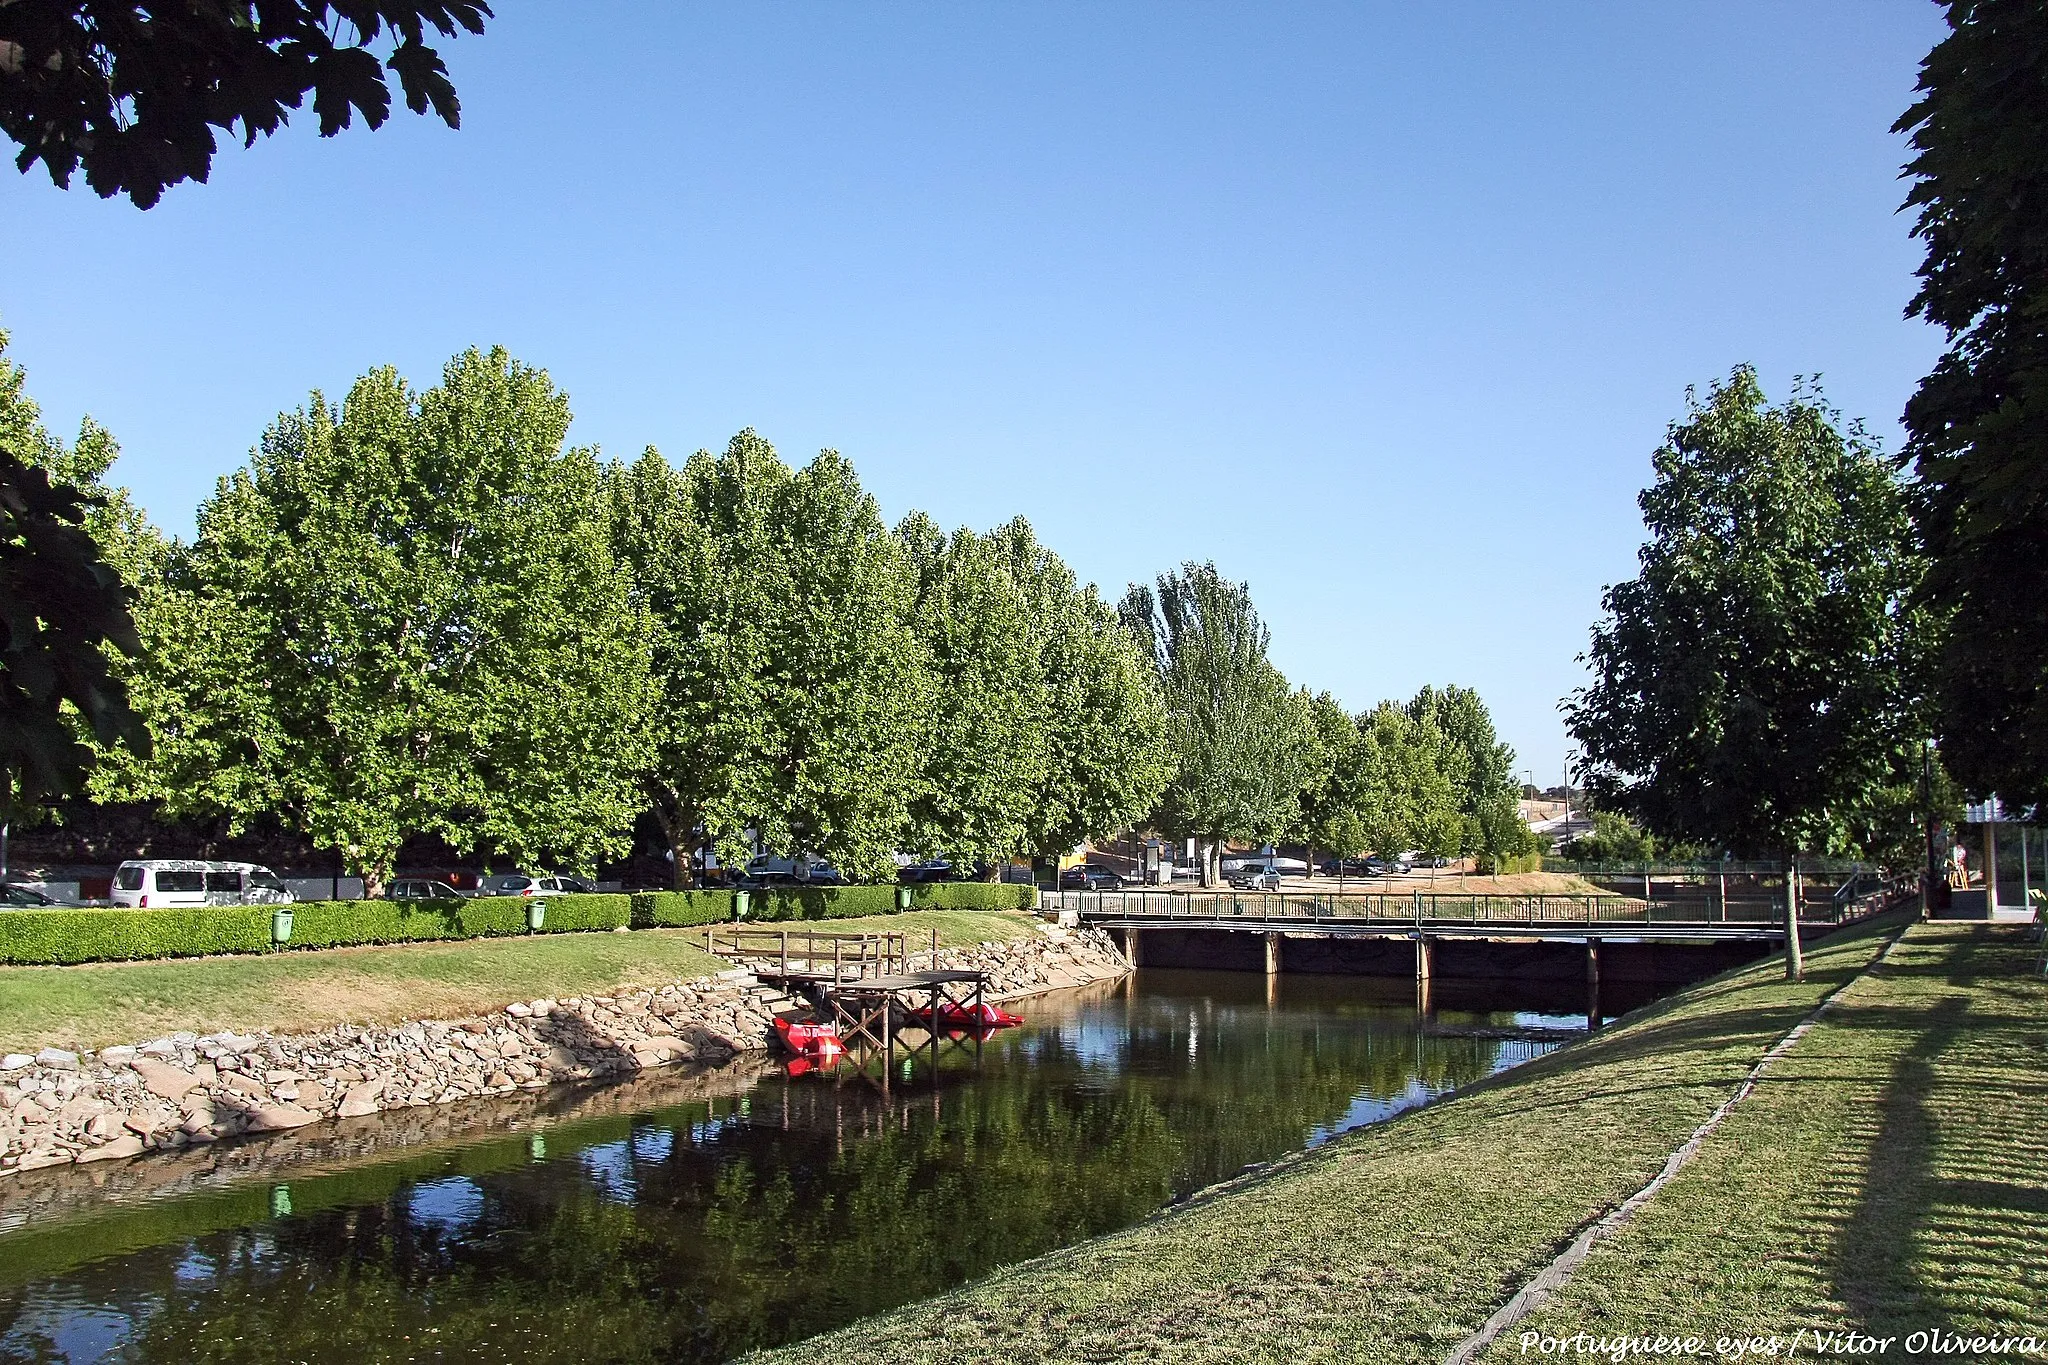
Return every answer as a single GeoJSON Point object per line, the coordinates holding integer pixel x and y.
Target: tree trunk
{"type": "Point", "coordinates": [676, 831]}
{"type": "Point", "coordinates": [1795, 960]}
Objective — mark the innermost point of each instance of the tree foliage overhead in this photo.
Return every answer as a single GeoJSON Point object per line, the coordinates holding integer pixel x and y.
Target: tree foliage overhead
{"type": "Point", "coordinates": [1754, 686]}
{"type": "Point", "coordinates": [63, 608]}
{"type": "Point", "coordinates": [405, 618]}
{"type": "Point", "coordinates": [1978, 425]}
{"type": "Point", "coordinates": [133, 92]}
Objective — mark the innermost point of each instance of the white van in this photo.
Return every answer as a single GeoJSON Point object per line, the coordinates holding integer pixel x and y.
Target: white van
{"type": "Point", "coordinates": [160, 883]}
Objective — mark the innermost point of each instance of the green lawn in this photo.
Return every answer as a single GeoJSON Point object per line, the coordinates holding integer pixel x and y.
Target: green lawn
{"type": "Point", "coordinates": [1895, 1167]}
{"type": "Point", "coordinates": [1889, 1175]}
{"type": "Point", "coordinates": [96, 1004]}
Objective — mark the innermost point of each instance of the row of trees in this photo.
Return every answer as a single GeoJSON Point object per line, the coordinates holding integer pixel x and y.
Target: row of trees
{"type": "Point", "coordinates": [420, 612]}
{"type": "Point", "coordinates": [1258, 760]}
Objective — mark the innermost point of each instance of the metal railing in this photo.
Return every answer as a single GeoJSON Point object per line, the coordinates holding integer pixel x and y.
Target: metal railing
{"type": "Point", "coordinates": [1423, 907]}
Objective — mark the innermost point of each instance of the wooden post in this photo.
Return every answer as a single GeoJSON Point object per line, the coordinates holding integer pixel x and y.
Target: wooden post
{"type": "Point", "coordinates": [1795, 961]}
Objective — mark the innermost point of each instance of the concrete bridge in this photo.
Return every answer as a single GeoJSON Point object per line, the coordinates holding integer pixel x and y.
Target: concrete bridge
{"type": "Point", "coordinates": [1483, 935]}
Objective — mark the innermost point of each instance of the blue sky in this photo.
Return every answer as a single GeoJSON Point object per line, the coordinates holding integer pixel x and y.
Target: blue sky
{"type": "Point", "coordinates": [1381, 307]}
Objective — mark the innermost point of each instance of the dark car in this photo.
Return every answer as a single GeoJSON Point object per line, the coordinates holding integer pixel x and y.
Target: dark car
{"type": "Point", "coordinates": [422, 889]}
{"type": "Point", "coordinates": [23, 898]}
{"type": "Point", "coordinates": [930, 870]}
{"type": "Point", "coordinates": [1089, 878]}
{"type": "Point", "coordinates": [1347, 867]}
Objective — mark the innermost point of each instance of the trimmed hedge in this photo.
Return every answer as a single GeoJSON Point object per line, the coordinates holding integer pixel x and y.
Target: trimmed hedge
{"type": "Point", "coordinates": [976, 896]}
{"type": "Point", "coordinates": [69, 936]}
{"type": "Point", "coordinates": [680, 909]}
{"type": "Point", "coordinates": [45, 936]}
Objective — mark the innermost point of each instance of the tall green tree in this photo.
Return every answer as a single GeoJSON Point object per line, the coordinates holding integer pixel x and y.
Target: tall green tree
{"type": "Point", "coordinates": [1336, 801]}
{"type": "Point", "coordinates": [66, 618]}
{"type": "Point", "coordinates": [1243, 742]}
{"type": "Point", "coordinates": [1414, 801]}
{"type": "Point", "coordinates": [1480, 767]}
{"type": "Point", "coordinates": [1754, 686]}
{"type": "Point", "coordinates": [134, 92]}
{"type": "Point", "coordinates": [1106, 759]}
{"type": "Point", "coordinates": [988, 748]}
{"type": "Point", "coordinates": [1978, 425]}
{"type": "Point", "coordinates": [415, 616]}
{"type": "Point", "coordinates": [793, 689]}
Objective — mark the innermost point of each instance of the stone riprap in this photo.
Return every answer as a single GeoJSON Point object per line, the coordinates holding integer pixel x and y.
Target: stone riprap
{"type": "Point", "coordinates": [59, 1108]}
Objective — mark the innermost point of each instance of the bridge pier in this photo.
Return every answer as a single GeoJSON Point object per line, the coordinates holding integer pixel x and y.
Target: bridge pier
{"type": "Point", "coordinates": [1425, 964]}
{"type": "Point", "coordinates": [1592, 983]}
{"type": "Point", "coordinates": [1134, 946]}
{"type": "Point", "coordinates": [1273, 954]}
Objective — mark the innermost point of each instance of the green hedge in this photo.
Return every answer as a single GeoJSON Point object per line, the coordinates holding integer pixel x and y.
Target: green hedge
{"type": "Point", "coordinates": [68, 936]}
{"type": "Point", "coordinates": [976, 896]}
{"type": "Point", "coordinates": [680, 909]}
{"type": "Point", "coordinates": [1509, 865]}
{"type": "Point", "coordinates": [30, 936]}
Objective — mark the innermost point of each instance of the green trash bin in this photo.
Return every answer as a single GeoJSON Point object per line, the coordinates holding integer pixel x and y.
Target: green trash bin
{"type": "Point", "coordinates": [903, 897]}
{"type": "Point", "coordinates": [281, 924]}
{"type": "Point", "coordinates": [739, 905]}
{"type": "Point", "coordinates": [536, 915]}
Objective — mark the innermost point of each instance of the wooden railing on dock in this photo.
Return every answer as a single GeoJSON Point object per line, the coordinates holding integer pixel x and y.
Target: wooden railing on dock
{"type": "Point", "coordinates": [818, 954]}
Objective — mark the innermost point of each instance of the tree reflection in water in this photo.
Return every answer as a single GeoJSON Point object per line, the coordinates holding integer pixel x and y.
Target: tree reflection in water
{"type": "Point", "coordinates": [698, 1232]}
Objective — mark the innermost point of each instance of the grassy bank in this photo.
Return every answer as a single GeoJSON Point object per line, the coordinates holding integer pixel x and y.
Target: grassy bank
{"type": "Point", "coordinates": [95, 1004]}
{"type": "Point", "coordinates": [1396, 1243]}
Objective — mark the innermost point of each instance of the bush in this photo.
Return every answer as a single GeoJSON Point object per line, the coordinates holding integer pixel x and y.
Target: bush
{"type": "Point", "coordinates": [589, 911]}
{"type": "Point", "coordinates": [680, 909]}
{"type": "Point", "coordinates": [1507, 865]}
{"type": "Point", "coordinates": [333, 924]}
{"type": "Point", "coordinates": [821, 902]}
{"type": "Point", "coordinates": [29, 936]}
{"type": "Point", "coordinates": [976, 896]}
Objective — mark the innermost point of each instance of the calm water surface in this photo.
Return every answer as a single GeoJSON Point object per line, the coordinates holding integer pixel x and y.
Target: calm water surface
{"type": "Point", "coordinates": [696, 1230]}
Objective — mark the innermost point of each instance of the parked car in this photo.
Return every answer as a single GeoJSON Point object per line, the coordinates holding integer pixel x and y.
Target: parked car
{"type": "Point", "coordinates": [1428, 860]}
{"type": "Point", "coordinates": [1255, 879]}
{"type": "Point", "coordinates": [930, 870]}
{"type": "Point", "coordinates": [1087, 877]}
{"type": "Point", "coordinates": [793, 871]}
{"type": "Point", "coordinates": [158, 883]}
{"type": "Point", "coordinates": [1380, 867]}
{"type": "Point", "coordinates": [1347, 867]}
{"type": "Point", "coordinates": [422, 889]}
{"type": "Point", "coordinates": [15, 897]}
{"type": "Point", "coordinates": [509, 884]}
{"type": "Point", "coordinates": [567, 885]}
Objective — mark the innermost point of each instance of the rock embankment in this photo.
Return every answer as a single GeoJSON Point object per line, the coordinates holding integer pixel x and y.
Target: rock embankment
{"type": "Point", "coordinates": [59, 1107]}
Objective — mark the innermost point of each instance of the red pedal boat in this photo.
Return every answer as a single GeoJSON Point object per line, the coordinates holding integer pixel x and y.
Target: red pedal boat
{"type": "Point", "coordinates": [814, 1042]}
{"type": "Point", "coordinates": [955, 1016]}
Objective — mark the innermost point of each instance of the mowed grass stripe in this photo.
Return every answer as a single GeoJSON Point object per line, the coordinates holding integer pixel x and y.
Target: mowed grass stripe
{"type": "Point", "coordinates": [1393, 1244]}
{"type": "Point", "coordinates": [1889, 1176]}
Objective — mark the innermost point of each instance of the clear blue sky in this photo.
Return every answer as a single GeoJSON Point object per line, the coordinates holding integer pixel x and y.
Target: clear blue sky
{"type": "Point", "coordinates": [1382, 307]}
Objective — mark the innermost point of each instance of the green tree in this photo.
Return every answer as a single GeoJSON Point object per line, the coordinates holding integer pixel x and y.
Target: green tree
{"type": "Point", "coordinates": [133, 92]}
{"type": "Point", "coordinates": [1754, 685]}
{"type": "Point", "coordinates": [1481, 768]}
{"type": "Point", "coordinates": [420, 627]}
{"type": "Point", "coordinates": [1335, 802]}
{"type": "Point", "coordinates": [1978, 425]}
{"type": "Point", "coordinates": [1243, 742]}
{"type": "Point", "coordinates": [1106, 754]}
{"type": "Point", "coordinates": [1414, 801]}
{"type": "Point", "coordinates": [987, 750]}
{"type": "Point", "coordinates": [65, 609]}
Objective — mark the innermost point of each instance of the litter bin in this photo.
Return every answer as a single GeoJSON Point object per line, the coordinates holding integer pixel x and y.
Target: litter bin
{"type": "Point", "coordinates": [739, 905]}
{"type": "Point", "coordinates": [903, 897]}
{"type": "Point", "coordinates": [536, 915]}
{"type": "Point", "coordinates": [281, 924]}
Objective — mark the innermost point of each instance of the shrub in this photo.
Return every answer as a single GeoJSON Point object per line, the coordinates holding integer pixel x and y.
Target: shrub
{"type": "Point", "coordinates": [29, 936]}
{"type": "Point", "coordinates": [976, 896]}
{"type": "Point", "coordinates": [590, 911]}
{"type": "Point", "coordinates": [1506, 865]}
{"type": "Point", "coordinates": [332, 924]}
{"type": "Point", "coordinates": [821, 902]}
{"type": "Point", "coordinates": [680, 909]}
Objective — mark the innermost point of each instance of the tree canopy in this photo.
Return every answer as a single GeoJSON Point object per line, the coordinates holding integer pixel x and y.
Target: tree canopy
{"type": "Point", "coordinates": [133, 92]}
{"type": "Point", "coordinates": [63, 608]}
{"type": "Point", "coordinates": [1978, 424]}
{"type": "Point", "coordinates": [1754, 685]}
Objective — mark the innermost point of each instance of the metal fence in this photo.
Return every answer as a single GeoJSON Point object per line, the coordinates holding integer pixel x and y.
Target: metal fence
{"type": "Point", "coordinates": [1822, 904]}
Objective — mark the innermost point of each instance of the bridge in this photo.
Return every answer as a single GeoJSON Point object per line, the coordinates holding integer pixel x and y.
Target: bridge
{"type": "Point", "coordinates": [1688, 917]}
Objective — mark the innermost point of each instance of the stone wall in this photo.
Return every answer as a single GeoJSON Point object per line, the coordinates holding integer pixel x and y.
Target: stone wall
{"type": "Point", "coordinates": [59, 1108]}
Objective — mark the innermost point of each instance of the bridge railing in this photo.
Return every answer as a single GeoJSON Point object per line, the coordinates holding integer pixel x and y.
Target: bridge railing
{"type": "Point", "coordinates": [1422, 907]}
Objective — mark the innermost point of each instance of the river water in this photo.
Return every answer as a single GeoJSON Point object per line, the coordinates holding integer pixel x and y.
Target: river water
{"type": "Point", "coordinates": [692, 1219]}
